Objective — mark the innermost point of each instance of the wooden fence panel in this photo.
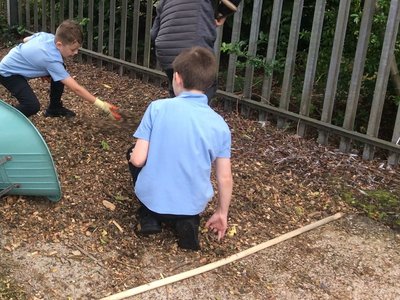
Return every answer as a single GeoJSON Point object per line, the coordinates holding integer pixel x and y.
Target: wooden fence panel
{"type": "Point", "coordinates": [235, 37]}
{"type": "Point", "coordinates": [90, 27]}
{"type": "Point", "coordinates": [147, 37]}
{"type": "Point", "coordinates": [252, 51]}
{"type": "Point", "coordinates": [44, 17]}
{"type": "Point", "coordinates": [100, 36]}
{"type": "Point", "coordinates": [271, 50]}
{"type": "Point", "coordinates": [358, 71]}
{"type": "Point", "coordinates": [111, 29]}
{"type": "Point", "coordinates": [290, 59]}
{"type": "Point", "coordinates": [383, 76]}
{"type": "Point", "coordinates": [311, 67]}
{"type": "Point", "coordinates": [122, 40]}
{"type": "Point", "coordinates": [135, 31]}
{"type": "Point", "coordinates": [334, 68]}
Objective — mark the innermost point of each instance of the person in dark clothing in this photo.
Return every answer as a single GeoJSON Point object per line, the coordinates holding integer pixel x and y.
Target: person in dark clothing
{"type": "Point", "coordinates": [182, 24]}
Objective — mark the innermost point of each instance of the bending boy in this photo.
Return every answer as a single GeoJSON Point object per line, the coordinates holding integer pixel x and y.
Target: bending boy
{"type": "Point", "coordinates": [178, 141]}
{"type": "Point", "coordinates": [42, 55]}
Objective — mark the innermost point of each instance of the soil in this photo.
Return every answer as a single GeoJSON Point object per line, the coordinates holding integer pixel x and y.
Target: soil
{"type": "Point", "coordinates": [85, 245]}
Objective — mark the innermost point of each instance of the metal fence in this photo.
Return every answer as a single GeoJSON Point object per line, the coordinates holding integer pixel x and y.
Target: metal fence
{"type": "Point", "coordinates": [117, 35]}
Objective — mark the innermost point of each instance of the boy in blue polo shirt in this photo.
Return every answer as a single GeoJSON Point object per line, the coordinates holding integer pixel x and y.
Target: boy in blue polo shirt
{"type": "Point", "coordinates": [42, 55]}
{"type": "Point", "coordinates": [178, 141]}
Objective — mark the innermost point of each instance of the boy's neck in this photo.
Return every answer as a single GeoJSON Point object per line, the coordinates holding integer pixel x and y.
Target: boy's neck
{"type": "Point", "coordinates": [192, 91]}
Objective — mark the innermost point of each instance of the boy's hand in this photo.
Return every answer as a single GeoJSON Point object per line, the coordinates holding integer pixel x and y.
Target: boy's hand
{"type": "Point", "coordinates": [46, 79]}
{"type": "Point", "coordinates": [218, 223]}
{"type": "Point", "coordinates": [108, 108]}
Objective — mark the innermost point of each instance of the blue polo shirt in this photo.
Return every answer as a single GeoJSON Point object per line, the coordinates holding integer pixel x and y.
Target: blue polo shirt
{"type": "Point", "coordinates": [185, 136]}
{"type": "Point", "coordinates": [38, 57]}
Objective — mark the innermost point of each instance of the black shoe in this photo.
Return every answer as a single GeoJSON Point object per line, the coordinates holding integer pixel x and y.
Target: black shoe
{"type": "Point", "coordinates": [59, 112]}
{"type": "Point", "coordinates": [148, 224]}
{"type": "Point", "coordinates": [188, 233]}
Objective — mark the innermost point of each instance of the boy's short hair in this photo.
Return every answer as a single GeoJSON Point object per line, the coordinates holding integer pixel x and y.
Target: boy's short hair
{"type": "Point", "coordinates": [69, 32]}
{"type": "Point", "coordinates": [197, 67]}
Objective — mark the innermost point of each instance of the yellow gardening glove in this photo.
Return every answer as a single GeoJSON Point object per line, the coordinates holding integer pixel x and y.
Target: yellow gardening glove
{"type": "Point", "coordinates": [108, 108]}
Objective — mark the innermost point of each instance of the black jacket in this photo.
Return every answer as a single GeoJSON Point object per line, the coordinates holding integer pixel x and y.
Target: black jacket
{"type": "Point", "coordinates": [182, 24]}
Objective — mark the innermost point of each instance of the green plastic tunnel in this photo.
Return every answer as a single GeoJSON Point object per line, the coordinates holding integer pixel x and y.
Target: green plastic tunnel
{"type": "Point", "coordinates": [26, 164]}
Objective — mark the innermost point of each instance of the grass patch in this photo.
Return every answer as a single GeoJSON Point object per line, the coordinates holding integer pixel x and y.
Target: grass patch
{"type": "Point", "coordinates": [380, 205]}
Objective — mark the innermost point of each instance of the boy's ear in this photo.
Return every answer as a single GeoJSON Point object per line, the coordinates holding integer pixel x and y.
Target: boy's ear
{"type": "Point", "coordinates": [58, 44]}
{"type": "Point", "coordinates": [178, 78]}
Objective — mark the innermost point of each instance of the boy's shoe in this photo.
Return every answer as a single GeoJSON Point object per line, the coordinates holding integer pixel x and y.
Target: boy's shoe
{"type": "Point", "coordinates": [148, 224]}
{"type": "Point", "coordinates": [59, 112]}
{"type": "Point", "coordinates": [188, 233]}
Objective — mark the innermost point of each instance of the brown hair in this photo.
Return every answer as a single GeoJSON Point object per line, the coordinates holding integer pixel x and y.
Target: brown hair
{"type": "Point", "coordinates": [69, 32]}
{"type": "Point", "coordinates": [197, 67]}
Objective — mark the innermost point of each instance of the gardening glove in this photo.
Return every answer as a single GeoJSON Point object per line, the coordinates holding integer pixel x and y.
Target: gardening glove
{"type": "Point", "coordinates": [108, 108]}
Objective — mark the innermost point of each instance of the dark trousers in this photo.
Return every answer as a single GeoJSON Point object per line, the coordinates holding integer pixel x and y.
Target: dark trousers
{"type": "Point", "coordinates": [210, 92]}
{"type": "Point", "coordinates": [143, 210]}
{"type": "Point", "coordinates": [28, 103]}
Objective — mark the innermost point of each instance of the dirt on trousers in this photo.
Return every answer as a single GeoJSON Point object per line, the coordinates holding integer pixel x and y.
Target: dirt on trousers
{"type": "Point", "coordinates": [78, 248]}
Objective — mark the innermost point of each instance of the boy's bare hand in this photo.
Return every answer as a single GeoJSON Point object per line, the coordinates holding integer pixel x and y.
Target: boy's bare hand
{"type": "Point", "coordinates": [218, 223]}
{"type": "Point", "coordinates": [46, 79]}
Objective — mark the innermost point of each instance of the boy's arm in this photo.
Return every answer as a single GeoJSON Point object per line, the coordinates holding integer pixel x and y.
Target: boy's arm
{"type": "Point", "coordinates": [219, 220]}
{"type": "Point", "coordinates": [74, 86]}
{"type": "Point", "coordinates": [139, 153]}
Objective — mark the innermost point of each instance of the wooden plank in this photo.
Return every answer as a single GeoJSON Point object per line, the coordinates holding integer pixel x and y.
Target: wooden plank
{"type": "Point", "coordinates": [252, 50]}
{"type": "Point", "coordinates": [235, 37]}
{"type": "Point", "coordinates": [44, 16]}
{"type": "Point", "coordinates": [61, 12]}
{"type": "Point", "coordinates": [28, 15]}
{"type": "Point", "coordinates": [212, 266]}
{"type": "Point", "coordinates": [383, 75]}
{"type": "Point", "coordinates": [35, 17]}
{"type": "Point", "coordinates": [358, 70]}
{"type": "Point", "coordinates": [135, 30]}
{"type": "Point", "coordinates": [71, 9]}
{"type": "Point", "coordinates": [271, 50]}
{"type": "Point", "coordinates": [10, 8]}
{"type": "Point", "coordinates": [90, 27]}
{"type": "Point", "coordinates": [80, 10]}
{"type": "Point", "coordinates": [122, 41]}
{"type": "Point", "coordinates": [20, 20]}
{"type": "Point", "coordinates": [111, 33]}
{"type": "Point", "coordinates": [147, 37]}
{"type": "Point", "coordinates": [100, 33]}
{"type": "Point", "coordinates": [311, 67]}
{"type": "Point", "coordinates": [334, 67]}
{"type": "Point", "coordinates": [290, 59]}
{"type": "Point", "coordinates": [52, 16]}
{"type": "Point", "coordinates": [80, 18]}
{"type": "Point", "coordinates": [217, 45]}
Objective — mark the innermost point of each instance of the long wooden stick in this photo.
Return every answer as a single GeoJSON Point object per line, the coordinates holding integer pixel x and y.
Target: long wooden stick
{"type": "Point", "coordinates": [216, 264]}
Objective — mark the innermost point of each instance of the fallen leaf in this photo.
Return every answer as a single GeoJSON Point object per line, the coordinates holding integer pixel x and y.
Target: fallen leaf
{"type": "Point", "coordinates": [109, 205]}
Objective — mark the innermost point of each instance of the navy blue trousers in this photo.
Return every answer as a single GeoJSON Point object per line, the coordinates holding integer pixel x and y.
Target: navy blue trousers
{"type": "Point", "coordinates": [28, 103]}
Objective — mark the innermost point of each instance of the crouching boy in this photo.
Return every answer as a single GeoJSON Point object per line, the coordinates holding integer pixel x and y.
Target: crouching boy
{"type": "Point", "coordinates": [178, 141]}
